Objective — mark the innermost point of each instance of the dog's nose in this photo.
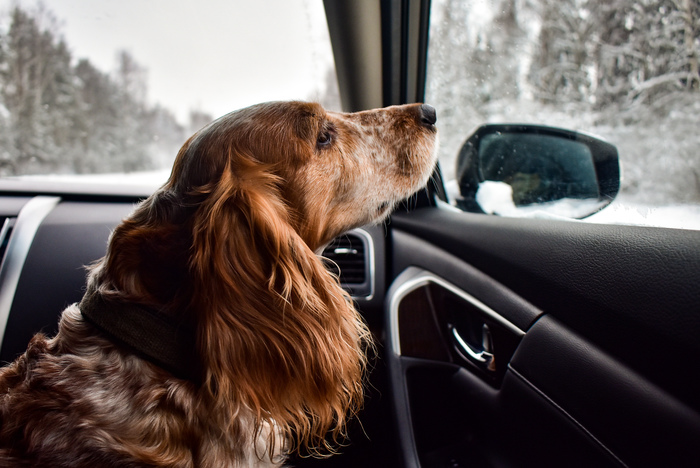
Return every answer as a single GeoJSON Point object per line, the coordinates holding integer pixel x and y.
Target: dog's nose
{"type": "Point", "coordinates": [428, 115]}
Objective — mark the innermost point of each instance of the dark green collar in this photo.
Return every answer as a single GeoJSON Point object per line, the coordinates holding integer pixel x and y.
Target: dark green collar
{"type": "Point", "coordinates": [161, 339]}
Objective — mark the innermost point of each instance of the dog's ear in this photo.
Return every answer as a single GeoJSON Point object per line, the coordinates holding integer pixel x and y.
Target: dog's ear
{"type": "Point", "coordinates": [147, 256]}
{"type": "Point", "coordinates": [277, 335]}
{"type": "Point", "coordinates": [146, 261]}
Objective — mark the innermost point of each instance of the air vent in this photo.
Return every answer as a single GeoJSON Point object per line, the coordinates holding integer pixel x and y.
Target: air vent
{"type": "Point", "coordinates": [350, 257]}
{"type": "Point", "coordinates": [6, 225]}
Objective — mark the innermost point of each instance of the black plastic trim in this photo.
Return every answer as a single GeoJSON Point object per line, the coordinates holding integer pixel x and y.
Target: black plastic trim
{"type": "Point", "coordinates": [629, 416]}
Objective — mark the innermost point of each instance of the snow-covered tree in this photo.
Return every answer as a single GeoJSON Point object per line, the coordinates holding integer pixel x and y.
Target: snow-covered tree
{"type": "Point", "coordinates": [32, 76]}
{"type": "Point", "coordinates": [57, 116]}
{"type": "Point", "coordinates": [616, 52]}
{"type": "Point", "coordinates": [561, 67]}
{"type": "Point", "coordinates": [672, 31]}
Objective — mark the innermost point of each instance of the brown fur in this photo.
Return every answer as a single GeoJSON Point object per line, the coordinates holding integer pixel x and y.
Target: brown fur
{"type": "Point", "coordinates": [227, 244]}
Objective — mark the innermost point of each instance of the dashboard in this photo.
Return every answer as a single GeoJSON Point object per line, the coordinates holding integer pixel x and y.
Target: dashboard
{"type": "Point", "coordinates": [47, 241]}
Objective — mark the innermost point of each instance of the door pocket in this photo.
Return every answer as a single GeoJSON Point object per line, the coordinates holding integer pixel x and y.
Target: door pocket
{"type": "Point", "coordinates": [435, 320]}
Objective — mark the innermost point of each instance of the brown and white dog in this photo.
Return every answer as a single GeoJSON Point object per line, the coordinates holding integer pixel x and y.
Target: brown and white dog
{"type": "Point", "coordinates": [211, 335]}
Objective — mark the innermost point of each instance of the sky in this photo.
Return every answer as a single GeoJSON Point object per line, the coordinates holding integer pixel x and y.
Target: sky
{"type": "Point", "coordinates": [211, 56]}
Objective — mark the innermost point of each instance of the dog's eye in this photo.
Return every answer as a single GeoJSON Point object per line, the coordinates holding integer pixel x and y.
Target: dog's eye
{"type": "Point", "coordinates": [325, 138]}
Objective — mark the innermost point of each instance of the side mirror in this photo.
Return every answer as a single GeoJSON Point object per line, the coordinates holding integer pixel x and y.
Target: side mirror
{"type": "Point", "coordinates": [517, 169]}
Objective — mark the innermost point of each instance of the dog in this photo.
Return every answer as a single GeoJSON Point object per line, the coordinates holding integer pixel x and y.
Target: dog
{"type": "Point", "coordinates": [210, 334]}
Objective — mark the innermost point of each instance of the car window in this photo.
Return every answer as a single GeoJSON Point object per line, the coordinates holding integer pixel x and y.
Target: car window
{"type": "Point", "coordinates": [623, 70]}
{"type": "Point", "coordinates": [115, 88]}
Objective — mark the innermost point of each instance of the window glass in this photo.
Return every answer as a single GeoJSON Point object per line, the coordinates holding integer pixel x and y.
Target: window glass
{"type": "Point", "coordinates": [624, 70]}
{"type": "Point", "coordinates": [116, 86]}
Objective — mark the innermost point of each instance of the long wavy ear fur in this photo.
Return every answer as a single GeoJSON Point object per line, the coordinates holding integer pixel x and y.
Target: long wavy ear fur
{"type": "Point", "coordinates": [278, 336]}
{"type": "Point", "coordinates": [147, 256]}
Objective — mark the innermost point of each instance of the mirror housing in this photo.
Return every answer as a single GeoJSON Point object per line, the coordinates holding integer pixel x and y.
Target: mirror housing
{"type": "Point", "coordinates": [519, 169]}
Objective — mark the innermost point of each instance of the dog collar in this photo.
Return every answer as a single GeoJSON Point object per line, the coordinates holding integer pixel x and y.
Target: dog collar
{"type": "Point", "coordinates": [166, 342]}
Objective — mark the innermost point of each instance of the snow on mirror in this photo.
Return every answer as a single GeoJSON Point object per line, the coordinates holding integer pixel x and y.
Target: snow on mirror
{"type": "Point", "coordinates": [497, 198]}
{"type": "Point", "coordinates": [531, 170]}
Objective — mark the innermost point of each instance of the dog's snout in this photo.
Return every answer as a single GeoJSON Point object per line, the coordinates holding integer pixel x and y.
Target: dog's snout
{"type": "Point", "coordinates": [428, 114]}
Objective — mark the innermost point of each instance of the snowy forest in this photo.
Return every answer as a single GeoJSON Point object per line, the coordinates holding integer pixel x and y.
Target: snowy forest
{"type": "Point", "coordinates": [626, 70]}
{"type": "Point", "coordinates": [64, 116]}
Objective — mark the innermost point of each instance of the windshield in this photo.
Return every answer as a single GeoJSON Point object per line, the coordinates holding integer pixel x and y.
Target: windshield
{"type": "Point", "coordinates": [625, 70]}
{"type": "Point", "coordinates": [115, 88]}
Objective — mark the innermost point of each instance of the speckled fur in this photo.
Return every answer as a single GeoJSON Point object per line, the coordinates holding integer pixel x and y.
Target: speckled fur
{"type": "Point", "coordinates": [228, 244]}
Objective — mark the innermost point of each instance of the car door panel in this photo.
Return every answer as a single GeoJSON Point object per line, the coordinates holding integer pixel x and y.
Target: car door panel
{"type": "Point", "coordinates": [450, 414]}
{"type": "Point", "coordinates": [621, 409]}
{"type": "Point", "coordinates": [603, 373]}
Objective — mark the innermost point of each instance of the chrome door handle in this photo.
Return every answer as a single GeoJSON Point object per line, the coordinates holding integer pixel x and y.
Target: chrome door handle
{"type": "Point", "coordinates": [483, 358]}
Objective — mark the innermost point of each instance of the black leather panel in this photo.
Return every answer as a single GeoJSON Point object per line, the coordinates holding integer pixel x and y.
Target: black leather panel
{"type": "Point", "coordinates": [639, 422]}
{"type": "Point", "coordinates": [449, 417]}
{"type": "Point", "coordinates": [532, 432]}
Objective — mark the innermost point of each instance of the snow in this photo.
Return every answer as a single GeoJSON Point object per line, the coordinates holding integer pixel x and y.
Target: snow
{"type": "Point", "coordinates": [679, 216]}
{"type": "Point", "coordinates": [496, 198]}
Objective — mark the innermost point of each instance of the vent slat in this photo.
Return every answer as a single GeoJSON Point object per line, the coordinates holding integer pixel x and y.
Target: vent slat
{"type": "Point", "coordinates": [6, 226]}
{"type": "Point", "coordinates": [347, 254]}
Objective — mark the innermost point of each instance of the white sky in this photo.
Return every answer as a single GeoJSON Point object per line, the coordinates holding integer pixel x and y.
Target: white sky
{"type": "Point", "coordinates": [214, 56]}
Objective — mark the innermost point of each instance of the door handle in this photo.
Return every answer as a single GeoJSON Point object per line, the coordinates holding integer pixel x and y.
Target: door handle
{"type": "Point", "coordinates": [482, 358]}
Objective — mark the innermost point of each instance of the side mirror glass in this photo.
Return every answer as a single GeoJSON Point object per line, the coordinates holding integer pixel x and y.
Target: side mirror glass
{"type": "Point", "coordinates": [524, 169]}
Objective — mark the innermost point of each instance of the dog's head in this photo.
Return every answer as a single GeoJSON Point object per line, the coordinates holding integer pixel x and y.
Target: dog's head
{"type": "Point", "coordinates": [328, 171]}
{"type": "Point", "coordinates": [231, 237]}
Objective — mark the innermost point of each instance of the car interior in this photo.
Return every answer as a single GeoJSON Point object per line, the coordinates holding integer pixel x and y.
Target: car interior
{"type": "Point", "coordinates": [501, 342]}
